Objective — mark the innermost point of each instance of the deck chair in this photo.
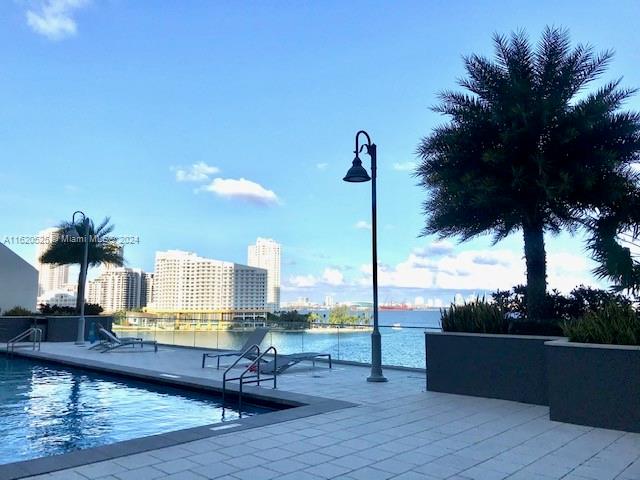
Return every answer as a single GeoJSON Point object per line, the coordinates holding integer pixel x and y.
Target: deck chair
{"type": "Point", "coordinates": [104, 341]}
{"type": "Point", "coordinates": [282, 362]}
{"type": "Point", "coordinates": [111, 342]}
{"type": "Point", "coordinates": [255, 338]}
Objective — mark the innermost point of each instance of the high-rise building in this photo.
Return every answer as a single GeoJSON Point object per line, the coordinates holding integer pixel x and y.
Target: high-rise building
{"type": "Point", "coordinates": [50, 277]}
{"type": "Point", "coordinates": [117, 289]}
{"type": "Point", "coordinates": [185, 282]}
{"type": "Point", "coordinates": [266, 254]}
{"type": "Point", "coordinates": [146, 290]}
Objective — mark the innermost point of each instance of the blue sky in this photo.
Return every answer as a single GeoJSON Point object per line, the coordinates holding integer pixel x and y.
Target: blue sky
{"type": "Point", "coordinates": [108, 104]}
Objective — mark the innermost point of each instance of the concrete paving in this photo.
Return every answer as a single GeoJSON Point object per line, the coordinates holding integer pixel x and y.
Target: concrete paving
{"type": "Point", "coordinates": [397, 431]}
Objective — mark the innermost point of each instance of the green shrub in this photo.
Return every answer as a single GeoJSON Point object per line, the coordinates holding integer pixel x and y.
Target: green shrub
{"type": "Point", "coordinates": [479, 316]}
{"type": "Point", "coordinates": [612, 324]}
{"type": "Point", "coordinates": [19, 312]}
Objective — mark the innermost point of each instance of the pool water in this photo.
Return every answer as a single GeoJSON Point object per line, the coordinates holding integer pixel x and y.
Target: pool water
{"type": "Point", "coordinates": [46, 409]}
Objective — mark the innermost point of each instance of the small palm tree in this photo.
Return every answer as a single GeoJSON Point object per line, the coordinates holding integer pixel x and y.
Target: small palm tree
{"type": "Point", "coordinates": [65, 251]}
{"type": "Point", "coordinates": [526, 149]}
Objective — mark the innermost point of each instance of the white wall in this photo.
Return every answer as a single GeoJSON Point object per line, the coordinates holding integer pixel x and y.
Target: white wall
{"type": "Point", "coordinates": [18, 281]}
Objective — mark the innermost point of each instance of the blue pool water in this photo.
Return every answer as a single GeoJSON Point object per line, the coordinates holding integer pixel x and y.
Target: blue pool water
{"type": "Point", "coordinates": [46, 409]}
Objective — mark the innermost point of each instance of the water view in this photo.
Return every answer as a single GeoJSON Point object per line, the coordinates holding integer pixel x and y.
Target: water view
{"type": "Point", "coordinates": [402, 338]}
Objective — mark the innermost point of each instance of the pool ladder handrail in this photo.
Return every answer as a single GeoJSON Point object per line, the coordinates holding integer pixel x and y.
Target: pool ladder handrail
{"type": "Point", "coordinates": [245, 378]}
{"type": "Point", "coordinates": [36, 339]}
{"type": "Point", "coordinates": [243, 355]}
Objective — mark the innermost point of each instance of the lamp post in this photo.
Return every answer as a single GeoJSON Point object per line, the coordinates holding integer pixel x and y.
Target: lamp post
{"type": "Point", "coordinates": [357, 174]}
{"type": "Point", "coordinates": [83, 267]}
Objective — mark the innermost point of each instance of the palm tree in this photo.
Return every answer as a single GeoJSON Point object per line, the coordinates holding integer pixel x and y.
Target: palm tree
{"type": "Point", "coordinates": [527, 149]}
{"type": "Point", "coordinates": [65, 251]}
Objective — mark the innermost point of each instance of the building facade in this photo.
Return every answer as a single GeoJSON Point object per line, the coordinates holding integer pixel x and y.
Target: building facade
{"type": "Point", "coordinates": [61, 298]}
{"type": "Point", "coordinates": [266, 254]}
{"type": "Point", "coordinates": [185, 282]}
{"type": "Point", "coordinates": [18, 281]}
{"type": "Point", "coordinates": [117, 289]}
{"type": "Point", "coordinates": [50, 277]}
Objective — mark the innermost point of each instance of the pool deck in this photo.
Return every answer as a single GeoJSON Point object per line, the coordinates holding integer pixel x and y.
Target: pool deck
{"type": "Point", "coordinates": [396, 430]}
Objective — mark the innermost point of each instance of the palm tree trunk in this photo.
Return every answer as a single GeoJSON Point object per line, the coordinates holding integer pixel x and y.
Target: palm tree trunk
{"type": "Point", "coordinates": [81, 287]}
{"type": "Point", "coordinates": [536, 260]}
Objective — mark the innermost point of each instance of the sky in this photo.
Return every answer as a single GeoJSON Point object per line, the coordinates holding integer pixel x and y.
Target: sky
{"type": "Point", "coordinates": [202, 125]}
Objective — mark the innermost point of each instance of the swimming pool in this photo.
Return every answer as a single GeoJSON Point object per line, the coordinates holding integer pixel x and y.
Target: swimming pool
{"type": "Point", "coordinates": [47, 409]}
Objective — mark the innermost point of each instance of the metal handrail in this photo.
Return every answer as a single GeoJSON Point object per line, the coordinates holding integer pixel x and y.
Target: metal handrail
{"type": "Point", "coordinates": [253, 378]}
{"type": "Point", "coordinates": [243, 355]}
{"type": "Point", "coordinates": [37, 339]}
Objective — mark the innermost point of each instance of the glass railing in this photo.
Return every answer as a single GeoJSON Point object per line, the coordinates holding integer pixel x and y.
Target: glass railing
{"type": "Point", "coordinates": [401, 345]}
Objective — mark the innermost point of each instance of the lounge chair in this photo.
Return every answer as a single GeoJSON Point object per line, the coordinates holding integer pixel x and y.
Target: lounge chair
{"type": "Point", "coordinates": [105, 341]}
{"type": "Point", "coordinates": [111, 342]}
{"type": "Point", "coordinates": [283, 362]}
{"type": "Point", "coordinates": [255, 338]}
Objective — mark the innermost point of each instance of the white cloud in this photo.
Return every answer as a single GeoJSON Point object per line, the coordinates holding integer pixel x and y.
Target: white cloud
{"type": "Point", "coordinates": [302, 281]}
{"type": "Point", "coordinates": [242, 189]}
{"type": "Point", "coordinates": [404, 166]}
{"type": "Point", "coordinates": [54, 18]}
{"type": "Point", "coordinates": [333, 276]}
{"type": "Point", "coordinates": [322, 166]}
{"type": "Point", "coordinates": [481, 270]}
{"type": "Point", "coordinates": [198, 172]}
{"type": "Point", "coordinates": [437, 248]}
{"type": "Point", "coordinates": [363, 225]}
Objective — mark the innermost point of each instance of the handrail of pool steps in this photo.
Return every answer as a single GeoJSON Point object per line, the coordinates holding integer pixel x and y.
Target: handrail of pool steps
{"type": "Point", "coordinates": [254, 366]}
{"type": "Point", "coordinates": [240, 357]}
{"type": "Point", "coordinates": [35, 341]}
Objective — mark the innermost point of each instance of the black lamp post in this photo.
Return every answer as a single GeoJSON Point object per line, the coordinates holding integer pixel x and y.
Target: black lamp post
{"type": "Point", "coordinates": [84, 267]}
{"type": "Point", "coordinates": [356, 174]}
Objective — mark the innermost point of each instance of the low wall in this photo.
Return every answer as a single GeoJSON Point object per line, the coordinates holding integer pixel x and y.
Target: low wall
{"type": "Point", "coordinates": [65, 329]}
{"type": "Point", "coordinates": [13, 326]}
{"type": "Point", "coordinates": [509, 367]}
{"type": "Point", "coordinates": [594, 385]}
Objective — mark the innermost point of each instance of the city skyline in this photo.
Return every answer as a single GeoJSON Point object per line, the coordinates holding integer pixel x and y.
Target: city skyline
{"type": "Point", "coordinates": [224, 151]}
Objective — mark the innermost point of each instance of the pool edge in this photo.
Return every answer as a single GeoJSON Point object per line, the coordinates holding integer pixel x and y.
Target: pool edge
{"type": "Point", "coordinates": [296, 406]}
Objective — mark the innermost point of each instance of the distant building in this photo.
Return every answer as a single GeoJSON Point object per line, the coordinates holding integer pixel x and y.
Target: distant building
{"type": "Point", "coordinates": [266, 254]}
{"type": "Point", "coordinates": [329, 302]}
{"type": "Point", "coordinates": [117, 289]}
{"type": "Point", "coordinates": [61, 298]}
{"type": "Point", "coordinates": [185, 282]}
{"type": "Point", "coordinates": [146, 289]}
{"type": "Point", "coordinates": [18, 281]}
{"type": "Point", "coordinates": [50, 277]}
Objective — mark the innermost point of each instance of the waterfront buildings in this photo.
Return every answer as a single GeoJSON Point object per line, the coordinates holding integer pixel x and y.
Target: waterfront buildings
{"type": "Point", "coordinates": [118, 288]}
{"type": "Point", "coordinates": [184, 282]}
{"type": "Point", "coordinates": [266, 254]}
{"type": "Point", "coordinates": [18, 281]}
{"type": "Point", "coordinates": [50, 277]}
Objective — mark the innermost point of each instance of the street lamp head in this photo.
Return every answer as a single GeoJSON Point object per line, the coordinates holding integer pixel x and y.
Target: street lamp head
{"type": "Point", "coordinates": [357, 172]}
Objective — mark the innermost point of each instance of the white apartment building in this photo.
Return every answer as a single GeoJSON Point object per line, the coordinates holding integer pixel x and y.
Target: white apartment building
{"type": "Point", "coordinates": [185, 282]}
{"type": "Point", "coordinates": [61, 298]}
{"type": "Point", "coordinates": [266, 254]}
{"type": "Point", "coordinates": [50, 277]}
{"type": "Point", "coordinates": [117, 289]}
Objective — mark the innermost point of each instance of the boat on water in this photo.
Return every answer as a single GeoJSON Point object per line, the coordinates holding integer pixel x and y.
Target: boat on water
{"type": "Point", "coordinates": [396, 326]}
{"type": "Point", "coordinates": [396, 307]}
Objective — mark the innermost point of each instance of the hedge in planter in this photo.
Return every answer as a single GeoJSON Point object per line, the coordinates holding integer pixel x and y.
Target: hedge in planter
{"type": "Point", "coordinates": [594, 378]}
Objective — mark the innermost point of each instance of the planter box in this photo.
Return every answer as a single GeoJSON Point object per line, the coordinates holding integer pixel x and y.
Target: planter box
{"type": "Point", "coordinates": [509, 367]}
{"type": "Point", "coordinates": [594, 385]}
{"type": "Point", "coordinates": [65, 329]}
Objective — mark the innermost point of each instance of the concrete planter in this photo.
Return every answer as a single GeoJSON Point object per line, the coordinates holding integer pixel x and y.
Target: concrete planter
{"type": "Point", "coordinates": [65, 329]}
{"type": "Point", "coordinates": [594, 385]}
{"type": "Point", "coordinates": [509, 367]}
{"type": "Point", "coordinates": [12, 326]}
